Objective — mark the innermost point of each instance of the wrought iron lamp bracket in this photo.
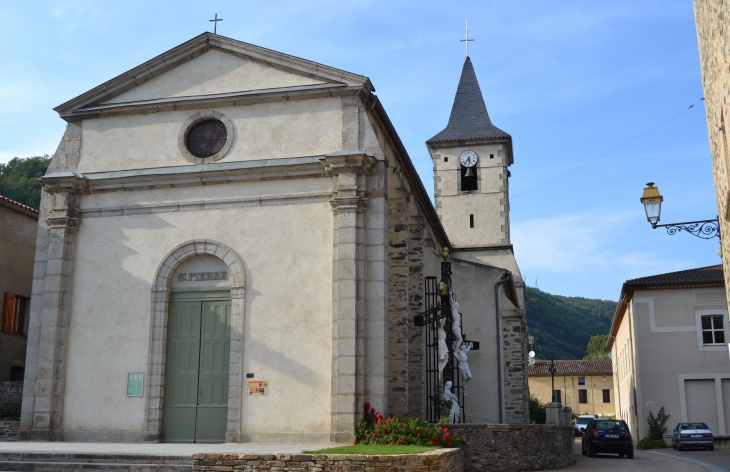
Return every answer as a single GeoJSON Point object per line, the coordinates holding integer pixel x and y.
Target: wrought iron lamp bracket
{"type": "Point", "coordinates": [703, 229]}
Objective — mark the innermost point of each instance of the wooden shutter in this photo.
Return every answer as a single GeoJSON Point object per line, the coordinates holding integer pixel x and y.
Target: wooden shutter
{"type": "Point", "coordinates": [8, 312]}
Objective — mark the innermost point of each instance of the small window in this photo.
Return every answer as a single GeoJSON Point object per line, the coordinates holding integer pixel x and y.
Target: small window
{"type": "Point", "coordinates": [713, 331]}
{"type": "Point", "coordinates": [15, 314]}
{"type": "Point", "coordinates": [557, 397]}
{"type": "Point", "coordinates": [17, 374]}
{"type": "Point", "coordinates": [446, 158]}
{"type": "Point", "coordinates": [582, 395]}
{"type": "Point", "coordinates": [206, 138]}
{"type": "Point", "coordinates": [491, 156]}
{"type": "Point", "coordinates": [471, 221]}
{"type": "Point", "coordinates": [606, 395]}
{"type": "Point", "coordinates": [581, 380]}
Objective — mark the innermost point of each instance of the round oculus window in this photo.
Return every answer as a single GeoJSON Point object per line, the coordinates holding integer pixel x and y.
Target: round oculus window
{"type": "Point", "coordinates": [206, 138]}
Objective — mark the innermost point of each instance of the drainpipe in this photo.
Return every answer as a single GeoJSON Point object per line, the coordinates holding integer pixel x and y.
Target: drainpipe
{"type": "Point", "coordinates": [505, 278]}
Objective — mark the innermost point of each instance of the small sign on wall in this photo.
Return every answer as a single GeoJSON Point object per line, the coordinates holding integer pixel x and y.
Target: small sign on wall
{"type": "Point", "coordinates": [257, 387]}
{"type": "Point", "coordinates": [649, 403]}
{"type": "Point", "coordinates": [135, 384]}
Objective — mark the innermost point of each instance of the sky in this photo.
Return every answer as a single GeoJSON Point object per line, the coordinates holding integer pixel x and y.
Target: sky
{"type": "Point", "coordinates": [571, 81]}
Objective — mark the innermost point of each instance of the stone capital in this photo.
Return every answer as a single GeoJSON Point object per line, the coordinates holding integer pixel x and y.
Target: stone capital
{"type": "Point", "coordinates": [348, 161]}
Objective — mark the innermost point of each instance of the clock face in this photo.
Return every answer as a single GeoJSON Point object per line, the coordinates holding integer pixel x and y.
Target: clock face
{"type": "Point", "coordinates": [468, 158]}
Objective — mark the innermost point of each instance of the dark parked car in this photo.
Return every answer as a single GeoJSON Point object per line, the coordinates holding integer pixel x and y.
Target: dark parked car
{"type": "Point", "coordinates": [607, 435]}
{"type": "Point", "coordinates": [692, 435]}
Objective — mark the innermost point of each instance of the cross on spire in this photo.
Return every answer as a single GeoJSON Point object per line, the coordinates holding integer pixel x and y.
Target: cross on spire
{"type": "Point", "coordinates": [216, 20]}
{"type": "Point", "coordinates": [466, 40]}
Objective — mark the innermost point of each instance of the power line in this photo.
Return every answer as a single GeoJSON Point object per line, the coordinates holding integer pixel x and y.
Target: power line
{"type": "Point", "coordinates": [612, 151]}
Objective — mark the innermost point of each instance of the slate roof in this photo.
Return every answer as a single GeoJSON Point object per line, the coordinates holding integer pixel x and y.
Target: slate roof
{"type": "Point", "coordinates": [469, 118]}
{"type": "Point", "coordinates": [6, 202]}
{"type": "Point", "coordinates": [702, 274]}
{"type": "Point", "coordinates": [578, 367]}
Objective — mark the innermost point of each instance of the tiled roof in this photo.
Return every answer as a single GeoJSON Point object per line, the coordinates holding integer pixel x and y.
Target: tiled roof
{"type": "Point", "coordinates": [571, 367]}
{"type": "Point", "coordinates": [6, 202]}
{"type": "Point", "coordinates": [469, 118]}
{"type": "Point", "coordinates": [703, 274]}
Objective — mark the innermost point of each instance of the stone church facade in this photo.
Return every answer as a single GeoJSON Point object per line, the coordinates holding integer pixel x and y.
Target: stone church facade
{"type": "Point", "coordinates": [224, 215]}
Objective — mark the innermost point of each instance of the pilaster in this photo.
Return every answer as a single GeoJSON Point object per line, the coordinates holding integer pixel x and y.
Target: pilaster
{"type": "Point", "coordinates": [514, 367]}
{"type": "Point", "coordinates": [416, 305]}
{"type": "Point", "coordinates": [48, 339]}
{"type": "Point", "coordinates": [349, 198]}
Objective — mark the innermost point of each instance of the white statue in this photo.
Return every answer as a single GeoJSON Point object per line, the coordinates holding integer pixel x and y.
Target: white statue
{"type": "Point", "coordinates": [456, 323]}
{"type": "Point", "coordinates": [442, 348]}
{"type": "Point", "coordinates": [449, 396]}
{"type": "Point", "coordinates": [462, 362]}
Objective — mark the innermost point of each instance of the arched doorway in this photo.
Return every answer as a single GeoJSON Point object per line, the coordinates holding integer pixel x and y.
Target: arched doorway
{"type": "Point", "coordinates": [196, 345]}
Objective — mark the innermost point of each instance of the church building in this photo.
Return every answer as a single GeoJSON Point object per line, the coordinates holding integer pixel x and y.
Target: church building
{"type": "Point", "coordinates": [234, 245]}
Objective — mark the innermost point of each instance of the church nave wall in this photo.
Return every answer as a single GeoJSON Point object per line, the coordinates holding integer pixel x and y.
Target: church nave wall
{"type": "Point", "coordinates": [288, 267]}
{"type": "Point", "coordinates": [262, 131]}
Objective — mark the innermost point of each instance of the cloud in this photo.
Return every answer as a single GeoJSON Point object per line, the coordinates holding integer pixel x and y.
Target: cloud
{"type": "Point", "coordinates": [585, 254]}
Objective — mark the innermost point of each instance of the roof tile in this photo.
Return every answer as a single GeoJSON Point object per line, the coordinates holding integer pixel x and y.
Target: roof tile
{"type": "Point", "coordinates": [702, 274]}
{"type": "Point", "coordinates": [572, 367]}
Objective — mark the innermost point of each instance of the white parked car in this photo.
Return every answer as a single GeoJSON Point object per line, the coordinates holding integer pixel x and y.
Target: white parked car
{"type": "Point", "coordinates": [692, 435]}
{"type": "Point", "coordinates": [580, 424]}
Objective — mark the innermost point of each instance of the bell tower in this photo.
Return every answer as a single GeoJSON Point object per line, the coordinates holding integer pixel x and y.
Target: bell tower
{"type": "Point", "coordinates": [471, 158]}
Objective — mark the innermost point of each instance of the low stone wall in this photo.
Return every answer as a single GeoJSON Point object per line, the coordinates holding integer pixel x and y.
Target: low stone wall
{"type": "Point", "coordinates": [9, 430]}
{"type": "Point", "coordinates": [440, 460]}
{"type": "Point", "coordinates": [501, 447]}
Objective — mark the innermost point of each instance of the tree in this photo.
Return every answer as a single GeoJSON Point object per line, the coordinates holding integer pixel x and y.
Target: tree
{"type": "Point", "coordinates": [657, 424]}
{"type": "Point", "coordinates": [19, 179]}
{"type": "Point", "coordinates": [597, 347]}
{"type": "Point", "coordinates": [537, 411]}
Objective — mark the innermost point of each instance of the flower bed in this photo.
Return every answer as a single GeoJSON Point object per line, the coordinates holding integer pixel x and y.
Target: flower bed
{"type": "Point", "coordinates": [376, 429]}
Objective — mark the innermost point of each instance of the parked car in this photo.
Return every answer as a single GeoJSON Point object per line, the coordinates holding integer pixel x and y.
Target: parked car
{"type": "Point", "coordinates": [580, 424]}
{"type": "Point", "coordinates": [607, 435]}
{"type": "Point", "coordinates": [692, 435]}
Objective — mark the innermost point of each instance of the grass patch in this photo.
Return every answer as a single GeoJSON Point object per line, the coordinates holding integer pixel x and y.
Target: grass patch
{"type": "Point", "coordinates": [372, 449]}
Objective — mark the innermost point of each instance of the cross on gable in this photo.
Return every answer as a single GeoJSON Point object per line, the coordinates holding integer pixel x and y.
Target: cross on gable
{"type": "Point", "coordinates": [216, 20]}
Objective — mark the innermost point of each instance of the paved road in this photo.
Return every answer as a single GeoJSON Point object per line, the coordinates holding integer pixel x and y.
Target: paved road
{"type": "Point", "coordinates": [654, 461]}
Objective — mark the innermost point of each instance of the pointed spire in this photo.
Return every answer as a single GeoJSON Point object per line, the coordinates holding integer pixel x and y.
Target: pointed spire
{"type": "Point", "coordinates": [469, 118]}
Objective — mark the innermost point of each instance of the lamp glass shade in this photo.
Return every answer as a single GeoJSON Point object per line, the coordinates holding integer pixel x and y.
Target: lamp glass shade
{"type": "Point", "coordinates": [652, 201]}
{"type": "Point", "coordinates": [653, 208]}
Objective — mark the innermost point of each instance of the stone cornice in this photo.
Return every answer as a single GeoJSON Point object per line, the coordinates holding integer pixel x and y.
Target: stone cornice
{"type": "Point", "coordinates": [250, 97]}
{"type": "Point", "coordinates": [194, 48]}
{"type": "Point", "coordinates": [185, 176]}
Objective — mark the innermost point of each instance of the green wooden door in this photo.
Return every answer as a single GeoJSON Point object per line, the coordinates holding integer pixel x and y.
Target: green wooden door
{"type": "Point", "coordinates": [215, 347]}
{"type": "Point", "coordinates": [196, 373]}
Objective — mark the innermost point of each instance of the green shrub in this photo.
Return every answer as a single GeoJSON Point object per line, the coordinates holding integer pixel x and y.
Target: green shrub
{"type": "Point", "coordinates": [648, 443]}
{"type": "Point", "coordinates": [657, 424]}
{"type": "Point", "coordinates": [375, 429]}
{"type": "Point", "coordinates": [9, 410]}
{"type": "Point", "coordinates": [538, 414]}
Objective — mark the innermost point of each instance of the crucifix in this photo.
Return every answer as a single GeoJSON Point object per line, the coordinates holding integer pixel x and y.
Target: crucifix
{"type": "Point", "coordinates": [216, 20]}
{"type": "Point", "coordinates": [465, 40]}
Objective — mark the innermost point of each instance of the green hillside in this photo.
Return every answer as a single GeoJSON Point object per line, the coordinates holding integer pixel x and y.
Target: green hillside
{"type": "Point", "coordinates": [562, 326]}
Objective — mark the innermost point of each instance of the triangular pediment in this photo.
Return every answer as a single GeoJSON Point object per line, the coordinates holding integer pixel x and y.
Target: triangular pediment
{"type": "Point", "coordinates": [214, 72]}
{"type": "Point", "coordinates": [207, 65]}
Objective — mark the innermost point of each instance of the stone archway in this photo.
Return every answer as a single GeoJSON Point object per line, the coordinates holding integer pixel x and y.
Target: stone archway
{"type": "Point", "coordinates": [158, 334]}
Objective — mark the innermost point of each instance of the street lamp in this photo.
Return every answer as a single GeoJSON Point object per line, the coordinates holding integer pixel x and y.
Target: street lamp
{"type": "Point", "coordinates": [652, 201]}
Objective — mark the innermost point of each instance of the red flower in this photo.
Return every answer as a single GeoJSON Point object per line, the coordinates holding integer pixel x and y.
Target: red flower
{"type": "Point", "coordinates": [387, 421]}
{"type": "Point", "coordinates": [366, 406]}
{"type": "Point", "coordinates": [375, 434]}
{"type": "Point", "coordinates": [451, 443]}
{"type": "Point", "coordinates": [372, 411]}
{"type": "Point", "coordinates": [379, 416]}
{"type": "Point", "coordinates": [446, 430]}
{"type": "Point", "coordinates": [447, 436]}
{"type": "Point", "coordinates": [380, 421]}
{"type": "Point", "coordinates": [435, 440]}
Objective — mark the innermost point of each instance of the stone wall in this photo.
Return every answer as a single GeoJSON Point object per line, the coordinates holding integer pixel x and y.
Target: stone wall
{"type": "Point", "coordinates": [9, 431]}
{"type": "Point", "coordinates": [498, 447]}
{"type": "Point", "coordinates": [11, 392]}
{"type": "Point", "coordinates": [441, 460]}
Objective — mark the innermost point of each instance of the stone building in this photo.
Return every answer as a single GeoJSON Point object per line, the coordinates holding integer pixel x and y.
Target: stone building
{"type": "Point", "coordinates": [18, 225]}
{"type": "Point", "coordinates": [713, 38]}
{"type": "Point", "coordinates": [668, 343]}
{"type": "Point", "coordinates": [586, 386]}
{"type": "Point", "coordinates": [233, 244]}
